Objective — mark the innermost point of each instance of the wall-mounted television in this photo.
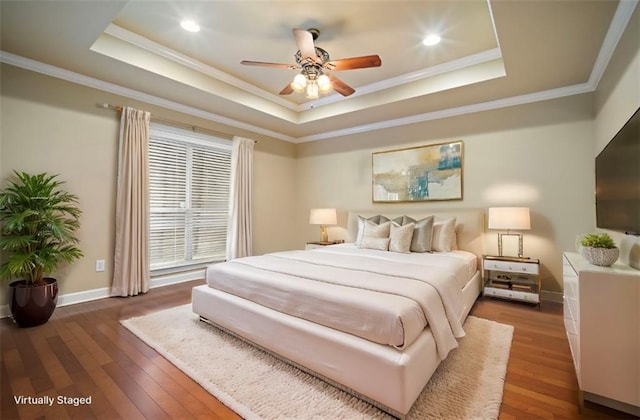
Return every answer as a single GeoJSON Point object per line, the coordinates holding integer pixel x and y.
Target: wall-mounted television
{"type": "Point", "coordinates": [618, 180]}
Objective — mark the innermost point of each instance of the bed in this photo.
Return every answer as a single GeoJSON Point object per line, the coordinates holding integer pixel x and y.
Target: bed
{"type": "Point", "coordinates": [373, 322]}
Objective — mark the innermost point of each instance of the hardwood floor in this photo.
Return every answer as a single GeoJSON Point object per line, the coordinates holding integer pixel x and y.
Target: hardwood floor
{"type": "Point", "coordinates": [541, 380]}
{"type": "Point", "coordinates": [83, 351]}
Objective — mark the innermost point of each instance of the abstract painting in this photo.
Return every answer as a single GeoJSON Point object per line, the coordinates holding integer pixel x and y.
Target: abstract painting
{"type": "Point", "coordinates": [422, 173]}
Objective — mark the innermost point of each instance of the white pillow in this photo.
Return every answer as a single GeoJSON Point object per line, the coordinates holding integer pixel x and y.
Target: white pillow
{"type": "Point", "coordinates": [374, 230]}
{"type": "Point", "coordinates": [444, 235]}
{"type": "Point", "coordinates": [381, 244]}
{"type": "Point", "coordinates": [400, 237]}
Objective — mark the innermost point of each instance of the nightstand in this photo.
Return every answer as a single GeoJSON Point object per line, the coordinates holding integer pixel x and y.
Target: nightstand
{"type": "Point", "coordinates": [320, 244]}
{"type": "Point", "coordinates": [511, 278]}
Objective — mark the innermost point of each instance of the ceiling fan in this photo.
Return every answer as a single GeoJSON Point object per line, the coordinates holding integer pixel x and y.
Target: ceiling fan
{"type": "Point", "coordinates": [317, 67]}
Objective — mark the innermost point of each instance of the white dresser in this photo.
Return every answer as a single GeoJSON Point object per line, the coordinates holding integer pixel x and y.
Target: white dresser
{"type": "Point", "coordinates": [602, 319]}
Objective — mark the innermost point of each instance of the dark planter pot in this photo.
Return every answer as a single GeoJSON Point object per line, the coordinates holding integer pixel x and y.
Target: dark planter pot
{"type": "Point", "coordinates": [32, 304]}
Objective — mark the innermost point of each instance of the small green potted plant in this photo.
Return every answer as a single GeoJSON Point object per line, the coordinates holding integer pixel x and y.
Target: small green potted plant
{"type": "Point", "coordinates": [599, 249]}
{"type": "Point", "coordinates": [38, 221]}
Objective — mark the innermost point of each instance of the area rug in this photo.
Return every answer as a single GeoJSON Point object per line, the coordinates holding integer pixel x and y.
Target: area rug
{"type": "Point", "coordinates": [256, 385]}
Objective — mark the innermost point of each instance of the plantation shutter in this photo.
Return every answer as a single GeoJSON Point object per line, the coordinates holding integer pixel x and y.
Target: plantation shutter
{"type": "Point", "coordinates": [189, 175]}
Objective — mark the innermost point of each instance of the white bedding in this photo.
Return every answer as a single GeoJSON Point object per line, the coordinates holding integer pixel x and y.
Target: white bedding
{"type": "Point", "coordinates": [463, 264]}
{"type": "Point", "coordinates": [384, 297]}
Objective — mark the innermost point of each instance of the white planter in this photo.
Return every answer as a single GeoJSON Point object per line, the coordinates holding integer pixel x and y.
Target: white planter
{"type": "Point", "coordinates": [600, 256]}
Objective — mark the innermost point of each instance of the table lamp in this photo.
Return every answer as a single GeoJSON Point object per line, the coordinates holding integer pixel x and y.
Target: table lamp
{"type": "Point", "coordinates": [509, 218]}
{"type": "Point", "coordinates": [323, 217]}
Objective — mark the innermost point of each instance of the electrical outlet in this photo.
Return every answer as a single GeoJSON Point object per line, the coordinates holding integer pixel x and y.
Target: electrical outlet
{"type": "Point", "coordinates": [99, 265]}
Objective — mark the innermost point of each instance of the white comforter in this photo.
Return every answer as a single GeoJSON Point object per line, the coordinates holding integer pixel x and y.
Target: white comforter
{"type": "Point", "coordinates": [381, 297]}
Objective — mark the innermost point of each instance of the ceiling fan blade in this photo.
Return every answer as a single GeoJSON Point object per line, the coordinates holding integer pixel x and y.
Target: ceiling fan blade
{"type": "Point", "coordinates": [288, 90]}
{"type": "Point", "coordinates": [304, 40]}
{"type": "Point", "coordinates": [341, 87]}
{"type": "Point", "coordinates": [275, 65]}
{"type": "Point", "coordinates": [354, 63]}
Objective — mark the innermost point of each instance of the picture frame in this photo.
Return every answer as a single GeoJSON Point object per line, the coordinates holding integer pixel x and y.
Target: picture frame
{"type": "Point", "coordinates": [421, 173]}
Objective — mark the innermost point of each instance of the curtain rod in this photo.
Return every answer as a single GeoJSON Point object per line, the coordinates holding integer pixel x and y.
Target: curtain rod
{"type": "Point", "coordinates": [194, 128]}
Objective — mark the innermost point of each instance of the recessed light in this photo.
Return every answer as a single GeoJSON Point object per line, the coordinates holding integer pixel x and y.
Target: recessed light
{"type": "Point", "coordinates": [431, 39]}
{"type": "Point", "coordinates": [190, 25]}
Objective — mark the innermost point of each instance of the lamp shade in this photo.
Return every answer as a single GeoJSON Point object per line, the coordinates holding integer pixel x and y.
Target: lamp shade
{"type": "Point", "coordinates": [509, 218]}
{"type": "Point", "coordinates": [299, 83]}
{"type": "Point", "coordinates": [323, 217]}
{"type": "Point", "coordinates": [312, 89]}
{"type": "Point", "coordinates": [324, 83]}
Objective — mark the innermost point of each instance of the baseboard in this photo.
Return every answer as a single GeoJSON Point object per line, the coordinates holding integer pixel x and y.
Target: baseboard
{"type": "Point", "coordinates": [616, 405]}
{"type": "Point", "coordinates": [104, 292]}
{"type": "Point", "coordinates": [166, 280]}
{"type": "Point", "coordinates": [548, 296]}
{"type": "Point", "coordinates": [175, 278]}
{"type": "Point", "coordinates": [4, 311]}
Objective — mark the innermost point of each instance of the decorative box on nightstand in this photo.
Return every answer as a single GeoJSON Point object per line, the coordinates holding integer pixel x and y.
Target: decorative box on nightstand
{"type": "Point", "coordinates": [511, 278]}
{"type": "Point", "coordinates": [320, 244]}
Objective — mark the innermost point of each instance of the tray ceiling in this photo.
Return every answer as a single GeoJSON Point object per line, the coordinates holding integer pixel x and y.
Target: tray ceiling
{"type": "Point", "coordinates": [492, 53]}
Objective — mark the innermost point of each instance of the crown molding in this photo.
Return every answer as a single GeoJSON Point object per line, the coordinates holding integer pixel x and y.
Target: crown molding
{"type": "Point", "coordinates": [59, 73]}
{"type": "Point", "coordinates": [70, 76]}
{"type": "Point", "coordinates": [620, 20]}
{"type": "Point", "coordinates": [461, 63]}
{"type": "Point", "coordinates": [453, 112]}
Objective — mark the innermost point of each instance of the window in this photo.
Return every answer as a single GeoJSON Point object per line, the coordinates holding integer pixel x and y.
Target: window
{"type": "Point", "coordinates": [189, 176]}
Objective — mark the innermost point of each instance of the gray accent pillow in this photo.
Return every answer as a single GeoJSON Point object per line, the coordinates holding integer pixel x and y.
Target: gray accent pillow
{"type": "Point", "coordinates": [404, 220]}
{"type": "Point", "coordinates": [377, 219]}
{"type": "Point", "coordinates": [422, 235]}
{"type": "Point", "coordinates": [422, 232]}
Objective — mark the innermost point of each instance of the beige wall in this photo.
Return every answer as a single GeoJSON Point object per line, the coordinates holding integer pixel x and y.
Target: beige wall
{"type": "Point", "coordinates": [538, 155]}
{"type": "Point", "coordinates": [55, 126]}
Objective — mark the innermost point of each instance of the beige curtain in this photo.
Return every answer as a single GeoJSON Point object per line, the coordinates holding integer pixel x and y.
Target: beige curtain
{"type": "Point", "coordinates": [131, 265]}
{"type": "Point", "coordinates": [239, 229]}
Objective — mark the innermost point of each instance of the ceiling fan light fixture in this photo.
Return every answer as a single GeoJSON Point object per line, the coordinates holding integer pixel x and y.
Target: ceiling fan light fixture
{"type": "Point", "coordinates": [312, 90]}
{"type": "Point", "coordinates": [299, 83]}
{"type": "Point", "coordinates": [313, 62]}
{"type": "Point", "coordinates": [324, 83]}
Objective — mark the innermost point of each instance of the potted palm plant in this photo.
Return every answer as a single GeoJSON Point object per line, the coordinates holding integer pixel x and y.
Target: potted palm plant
{"type": "Point", "coordinates": [38, 221]}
